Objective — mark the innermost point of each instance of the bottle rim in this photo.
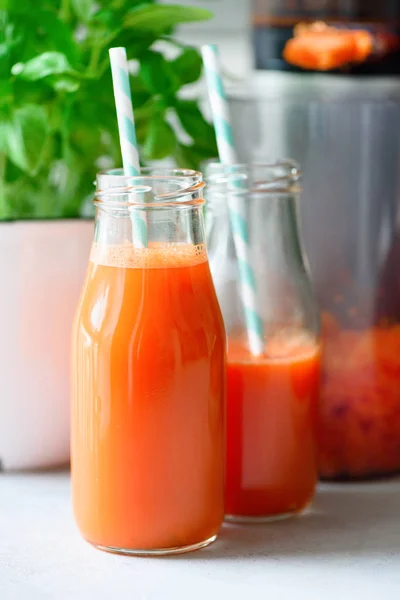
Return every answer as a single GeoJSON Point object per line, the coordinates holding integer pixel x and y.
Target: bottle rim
{"type": "Point", "coordinates": [153, 187]}
{"type": "Point", "coordinates": [274, 178]}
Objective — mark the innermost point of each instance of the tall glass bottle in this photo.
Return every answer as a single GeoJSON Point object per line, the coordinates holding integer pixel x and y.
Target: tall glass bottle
{"type": "Point", "coordinates": [148, 441]}
{"type": "Point", "coordinates": [272, 395]}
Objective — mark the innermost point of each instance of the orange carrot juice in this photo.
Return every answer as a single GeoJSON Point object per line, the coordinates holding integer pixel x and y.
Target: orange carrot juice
{"type": "Point", "coordinates": [148, 445]}
{"type": "Point", "coordinates": [272, 405]}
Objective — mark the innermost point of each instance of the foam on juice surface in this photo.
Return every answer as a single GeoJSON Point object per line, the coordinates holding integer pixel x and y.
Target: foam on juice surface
{"type": "Point", "coordinates": [156, 256]}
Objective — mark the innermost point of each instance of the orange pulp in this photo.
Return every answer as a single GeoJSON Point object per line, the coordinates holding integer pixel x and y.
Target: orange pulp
{"type": "Point", "coordinates": [359, 421]}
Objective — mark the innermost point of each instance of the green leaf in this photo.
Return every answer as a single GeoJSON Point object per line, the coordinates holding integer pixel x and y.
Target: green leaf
{"type": "Point", "coordinates": [188, 66]}
{"type": "Point", "coordinates": [64, 84]}
{"type": "Point", "coordinates": [157, 74]}
{"type": "Point", "coordinates": [193, 121]}
{"type": "Point", "coordinates": [160, 18]}
{"type": "Point", "coordinates": [124, 5]}
{"type": "Point", "coordinates": [140, 94]}
{"type": "Point", "coordinates": [16, 7]}
{"type": "Point", "coordinates": [5, 93]}
{"type": "Point", "coordinates": [141, 132]}
{"type": "Point", "coordinates": [12, 38]}
{"type": "Point", "coordinates": [59, 35]}
{"type": "Point", "coordinates": [83, 9]}
{"type": "Point", "coordinates": [22, 39]}
{"type": "Point", "coordinates": [48, 63]}
{"type": "Point", "coordinates": [106, 18]}
{"type": "Point", "coordinates": [25, 137]}
{"type": "Point", "coordinates": [187, 157]}
{"type": "Point", "coordinates": [193, 155]}
{"type": "Point", "coordinates": [147, 111]}
{"type": "Point", "coordinates": [160, 140]}
{"type": "Point", "coordinates": [4, 62]}
{"type": "Point", "coordinates": [16, 199]}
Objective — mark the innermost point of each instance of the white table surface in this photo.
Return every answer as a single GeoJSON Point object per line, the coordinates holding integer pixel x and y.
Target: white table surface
{"type": "Point", "coordinates": [346, 548]}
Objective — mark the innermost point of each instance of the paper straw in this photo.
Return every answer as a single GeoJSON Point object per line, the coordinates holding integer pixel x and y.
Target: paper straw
{"type": "Point", "coordinates": [237, 212]}
{"type": "Point", "coordinates": [126, 128]}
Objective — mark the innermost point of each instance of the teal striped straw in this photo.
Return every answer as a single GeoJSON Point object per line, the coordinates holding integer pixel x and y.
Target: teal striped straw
{"type": "Point", "coordinates": [237, 206]}
{"type": "Point", "coordinates": [127, 132]}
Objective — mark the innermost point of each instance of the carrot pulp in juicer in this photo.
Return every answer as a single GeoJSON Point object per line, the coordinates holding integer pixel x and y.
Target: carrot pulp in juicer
{"type": "Point", "coordinates": [359, 422]}
{"type": "Point", "coordinates": [148, 443]}
{"type": "Point", "coordinates": [272, 411]}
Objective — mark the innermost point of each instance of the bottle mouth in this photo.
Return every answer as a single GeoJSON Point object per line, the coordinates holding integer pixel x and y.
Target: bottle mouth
{"type": "Point", "coordinates": [280, 177]}
{"type": "Point", "coordinates": [153, 188]}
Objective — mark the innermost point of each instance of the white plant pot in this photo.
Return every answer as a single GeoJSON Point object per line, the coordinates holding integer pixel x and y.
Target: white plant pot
{"type": "Point", "coordinates": [42, 267]}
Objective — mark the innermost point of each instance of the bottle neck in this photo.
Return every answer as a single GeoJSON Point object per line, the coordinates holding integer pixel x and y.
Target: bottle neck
{"type": "Point", "coordinates": [273, 226]}
{"type": "Point", "coordinates": [150, 226]}
{"type": "Point", "coordinates": [280, 271]}
{"type": "Point", "coordinates": [158, 206]}
{"type": "Point", "coordinates": [276, 232]}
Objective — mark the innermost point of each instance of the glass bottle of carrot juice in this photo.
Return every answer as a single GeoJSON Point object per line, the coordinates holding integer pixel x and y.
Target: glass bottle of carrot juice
{"type": "Point", "coordinates": [148, 372]}
{"type": "Point", "coordinates": [272, 393]}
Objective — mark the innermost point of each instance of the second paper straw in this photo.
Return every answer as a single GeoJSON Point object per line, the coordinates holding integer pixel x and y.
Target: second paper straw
{"type": "Point", "coordinates": [237, 206]}
{"type": "Point", "coordinates": [126, 128]}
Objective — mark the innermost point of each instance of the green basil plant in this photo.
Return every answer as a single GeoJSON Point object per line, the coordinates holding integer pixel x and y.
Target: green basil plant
{"type": "Point", "coordinates": [57, 115]}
